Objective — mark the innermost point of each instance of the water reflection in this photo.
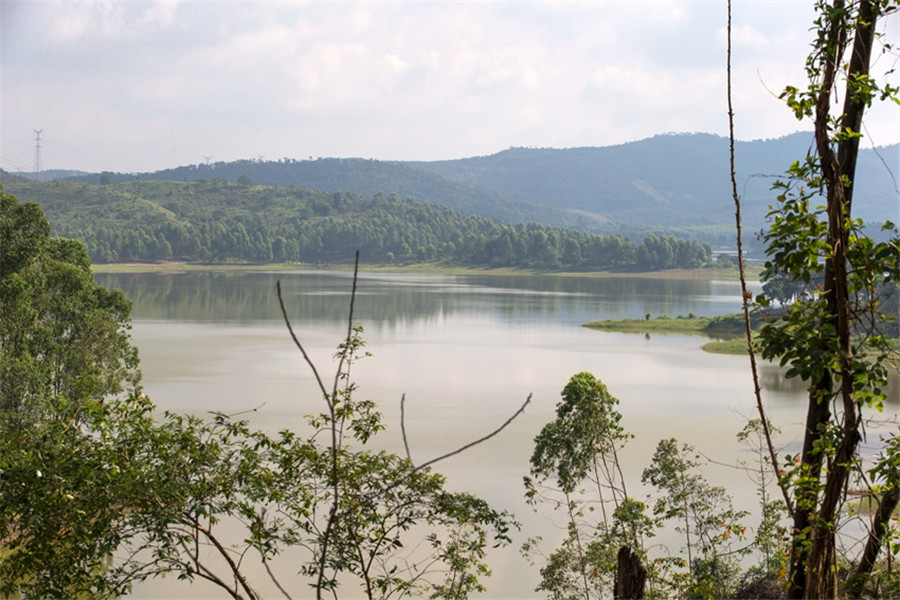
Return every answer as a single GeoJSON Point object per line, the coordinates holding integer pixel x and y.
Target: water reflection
{"type": "Point", "coordinates": [391, 298]}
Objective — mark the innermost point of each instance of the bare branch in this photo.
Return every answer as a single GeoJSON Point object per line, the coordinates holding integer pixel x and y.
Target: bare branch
{"type": "Point", "coordinates": [403, 427]}
{"type": "Point", "coordinates": [476, 442]}
{"type": "Point", "coordinates": [273, 578]}
{"type": "Point", "coordinates": [746, 294]}
{"type": "Point", "coordinates": [344, 355]}
{"type": "Point", "coordinates": [297, 343]}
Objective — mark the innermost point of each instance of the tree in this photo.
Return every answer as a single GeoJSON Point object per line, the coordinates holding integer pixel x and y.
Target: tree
{"type": "Point", "coordinates": [61, 333]}
{"type": "Point", "coordinates": [64, 348]}
{"type": "Point", "coordinates": [831, 339]}
{"type": "Point", "coordinates": [783, 288]}
{"type": "Point", "coordinates": [703, 515]}
{"type": "Point", "coordinates": [98, 492]}
{"type": "Point", "coordinates": [575, 468]}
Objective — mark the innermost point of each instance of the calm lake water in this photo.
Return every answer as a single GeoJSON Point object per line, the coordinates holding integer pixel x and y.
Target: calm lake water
{"type": "Point", "coordinates": [466, 351]}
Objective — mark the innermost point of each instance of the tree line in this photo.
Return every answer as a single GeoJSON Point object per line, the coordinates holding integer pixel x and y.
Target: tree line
{"type": "Point", "coordinates": [220, 222]}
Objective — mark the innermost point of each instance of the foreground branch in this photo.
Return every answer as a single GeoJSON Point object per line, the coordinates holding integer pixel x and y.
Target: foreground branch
{"type": "Point", "coordinates": [746, 294]}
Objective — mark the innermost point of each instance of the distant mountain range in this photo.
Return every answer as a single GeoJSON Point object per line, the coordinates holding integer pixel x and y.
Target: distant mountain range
{"type": "Point", "coordinates": [676, 183]}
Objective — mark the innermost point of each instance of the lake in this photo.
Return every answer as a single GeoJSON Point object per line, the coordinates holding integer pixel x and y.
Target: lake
{"type": "Point", "coordinates": [466, 350]}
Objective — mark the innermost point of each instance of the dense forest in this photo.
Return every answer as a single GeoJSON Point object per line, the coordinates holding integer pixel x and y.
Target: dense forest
{"type": "Point", "coordinates": [220, 222]}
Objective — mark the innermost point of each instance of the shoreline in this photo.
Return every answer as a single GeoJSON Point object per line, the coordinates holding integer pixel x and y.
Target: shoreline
{"type": "Point", "coordinates": [184, 267]}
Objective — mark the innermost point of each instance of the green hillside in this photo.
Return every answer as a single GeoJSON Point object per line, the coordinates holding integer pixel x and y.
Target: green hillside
{"type": "Point", "coordinates": [364, 177]}
{"type": "Point", "coordinates": [668, 184]}
{"type": "Point", "coordinates": [667, 180]}
{"type": "Point", "coordinates": [220, 222]}
{"type": "Point", "coordinates": [677, 184]}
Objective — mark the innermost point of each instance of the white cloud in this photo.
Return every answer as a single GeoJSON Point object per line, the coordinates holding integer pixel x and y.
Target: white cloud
{"type": "Point", "coordinates": [160, 13]}
{"type": "Point", "coordinates": [73, 22]}
{"type": "Point", "coordinates": [147, 85]}
{"type": "Point", "coordinates": [395, 63]}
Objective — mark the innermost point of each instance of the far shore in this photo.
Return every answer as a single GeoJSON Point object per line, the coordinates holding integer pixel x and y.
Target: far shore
{"type": "Point", "coordinates": [179, 267]}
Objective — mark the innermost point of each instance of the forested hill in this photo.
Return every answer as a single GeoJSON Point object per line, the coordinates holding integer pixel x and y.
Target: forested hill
{"type": "Point", "coordinates": [221, 222]}
{"type": "Point", "coordinates": [366, 177]}
{"type": "Point", "coordinates": [667, 183]}
{"type": "Point", "coordinates": [676, 180]}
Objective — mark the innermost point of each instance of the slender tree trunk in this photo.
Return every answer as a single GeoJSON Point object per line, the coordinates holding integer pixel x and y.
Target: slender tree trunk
{"type": "Point", "coordinates": [813, 570]}
{"type": "Point", "coordinates": [880, 525]}
{"type": "Point", "coordinates": [817, 417]}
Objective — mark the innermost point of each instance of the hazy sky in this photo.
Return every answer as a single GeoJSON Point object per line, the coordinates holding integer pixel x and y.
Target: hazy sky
{"type": "Point", "coordinates": [142, 86]}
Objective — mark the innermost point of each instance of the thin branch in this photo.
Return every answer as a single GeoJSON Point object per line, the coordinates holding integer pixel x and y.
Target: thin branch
{"type": "Point", "coordinates": [345, 353]}
{"type": "Point", "coordinates": [241, 412]}
{"type": "Point", "coordinates": [223, 552]}
{"type": "Point", "coordinates": [476, 442]}
{"type": "Point", "coordinates": [746, 294]}
{"type": "Point", "coordinates": [273, 578]}
{"type": "Point", "coordinates": [403, 427]}
{"type": "Point", "coordinates": [297, 343]}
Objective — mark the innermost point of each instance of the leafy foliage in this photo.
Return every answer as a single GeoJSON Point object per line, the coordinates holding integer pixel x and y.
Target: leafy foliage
{"type": "Point", "coordinates": [64, 348]}
{"type": "Point", "coordinates": [99, 492]}
{"type": "Point", "coordinates": [575, 469]}
{"type": "Point", "coordinates": [832, 337]}
{"type": "Point", "coordinates": [703, 515]}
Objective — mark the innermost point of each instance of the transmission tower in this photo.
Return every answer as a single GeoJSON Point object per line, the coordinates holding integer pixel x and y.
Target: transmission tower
{"type": "Point", "coordinates": [37, 151]}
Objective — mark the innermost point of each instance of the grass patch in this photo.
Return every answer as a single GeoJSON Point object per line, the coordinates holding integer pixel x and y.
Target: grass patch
{"type": "Point", "coordinates": [729, 329]}
{"type": "Point", "coordinates": [725, 326]}
{"type": "Point", "coordinates": [736, 346]}
{"type": "Point", "coordinates": [688, 325]}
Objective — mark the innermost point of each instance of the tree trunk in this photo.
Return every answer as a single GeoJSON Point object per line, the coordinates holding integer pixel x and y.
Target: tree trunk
{"type": "Point", "coordinates": [881, 521]}
{"type": "Point", "coordinates": [813, 570]}
{"type": "Point", "coordinates": [631, 576]}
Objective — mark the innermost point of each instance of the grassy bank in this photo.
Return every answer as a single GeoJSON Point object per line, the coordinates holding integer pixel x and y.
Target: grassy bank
{"type": "Point", "coordinates": [729, 329]}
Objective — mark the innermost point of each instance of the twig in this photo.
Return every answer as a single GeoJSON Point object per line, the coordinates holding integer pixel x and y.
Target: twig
{"type": "Point", "coordinates": [273, 578]}
{"type": "Point", "coordinates": [240, 412]}
{"type": "Point", "coordinates": [403, 427]}
{"type": "Point", "coordinates": [297, 343]}
{"type": "Point", "coordinates": [347, 346]}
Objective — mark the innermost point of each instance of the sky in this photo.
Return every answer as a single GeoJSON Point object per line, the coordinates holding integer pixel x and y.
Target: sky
{"type": "Point", "coordinates": [141, 86]}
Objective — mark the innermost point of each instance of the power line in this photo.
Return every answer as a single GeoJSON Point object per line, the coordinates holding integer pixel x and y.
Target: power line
{"type": "Point", "coordinates": [37, 152]}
